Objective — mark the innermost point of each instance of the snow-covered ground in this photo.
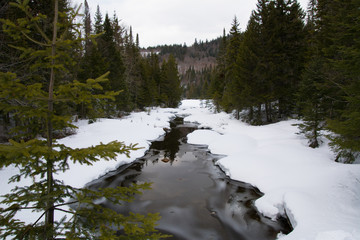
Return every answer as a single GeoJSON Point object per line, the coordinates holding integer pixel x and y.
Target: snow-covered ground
{"type": "Point", "coordinates": [321, 197]}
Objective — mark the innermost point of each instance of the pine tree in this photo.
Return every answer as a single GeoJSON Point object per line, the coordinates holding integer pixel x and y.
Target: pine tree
{"type": "Point", "coordinates": [217, 83]}
{"type": "Point", "coordinates": [39, 159]}
{"type": "Point", "coordinates": [112, 55]}
{"type": "Point", "coordinates": [98, 21]}
{"type": "Point", "coordinates": [310, 96]}
{"type": "Point", "coordinates": [170, 88]}
{"type": "Point", "coordinates": [292, 49]}
{"type": "Point", "coordinates": [271, 59]}
{"type": "Point", "coordinates": [257, 87]}
{"type": "Point", "coordinates": [119, 32]}
{"type": "Point", "coordinates": [233, 90]}
{"type": "Point", "coordinates": [339, 43]}
{"type": "Point", "coordinates": [155, 74]}
{"type": "Point", "coordinates": [87, 26]}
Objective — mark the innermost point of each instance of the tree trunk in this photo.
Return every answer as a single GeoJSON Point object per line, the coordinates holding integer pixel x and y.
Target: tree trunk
{"type": "Point", "coordinates": [49, 217]}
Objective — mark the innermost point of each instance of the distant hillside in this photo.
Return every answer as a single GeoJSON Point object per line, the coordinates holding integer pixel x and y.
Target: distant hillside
{"type": "Point", "coordinates": [198, 56]}
{"type": "Point", "coordinates": [195, 63]}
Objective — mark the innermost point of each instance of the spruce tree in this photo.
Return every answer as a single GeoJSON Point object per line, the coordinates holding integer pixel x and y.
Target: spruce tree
{"type": "Point", "coordinates": [39, 159]}
{"type": "Point", "coordinates": [339, 43]}
{"type": "Point", "coordinates": [112, 55]}
{"type": "Point", "coordinates": [310, 95]}
{"type": "Point", "coordinates": [87, 26]}
{"type": "Point", "coordinates": [98, 21]}
{"type": "Point", "coordinates": [217, 83]}
{"type": "Point", "coordinates": [234, 90]}
{"type": "Point", "coordinates": [257, 87]}
{"type": "Point", "coordinates": [291, 51]}
{"type": "Point", "coordinates": [132, 69]}
{"type": "Point", "coordinates": [155, 75]}
{"type": "Point", "coordinates": [271, 59]}
{"type": "Point", "coordinates": [310, 102]}
{"type": "Point", "coordinates": [170, 88]}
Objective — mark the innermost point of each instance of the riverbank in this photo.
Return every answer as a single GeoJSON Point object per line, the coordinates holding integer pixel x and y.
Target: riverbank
{"type": "Point", "coordinates": [320, 197]}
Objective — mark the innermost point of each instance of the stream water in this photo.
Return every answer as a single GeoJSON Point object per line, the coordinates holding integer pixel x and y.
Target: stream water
{"type": "Point", "coordinates": [195, 199]}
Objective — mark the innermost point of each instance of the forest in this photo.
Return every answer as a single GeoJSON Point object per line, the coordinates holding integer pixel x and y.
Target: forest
{"type": "Point", "coordinates": [55, 71]}
{"type": "Point", "coordinates": [288, 63]}
{"type": "Point", "coordinates": [196, 64]}
{"type": "Point", "coordinates": [101, 44]}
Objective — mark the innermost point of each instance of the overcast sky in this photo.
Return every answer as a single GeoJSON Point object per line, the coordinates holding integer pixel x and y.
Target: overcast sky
{"type": "Point", "coordinates": [177, 21]}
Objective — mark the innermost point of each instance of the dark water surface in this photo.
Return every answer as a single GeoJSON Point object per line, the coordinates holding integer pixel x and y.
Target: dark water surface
{"type": "Point", "coordinates": [193, 196]}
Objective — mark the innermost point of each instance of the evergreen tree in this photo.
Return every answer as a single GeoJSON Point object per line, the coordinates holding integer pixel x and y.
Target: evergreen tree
{"type": "Point", "coordinates": [339, 43]}
{"type": "Point", "coordinates": [39, 159]}
{"type": "Point", "coordinates": [148, 88]}
{"type": "Point", "coordinates": [98, 21]}
{"type": "Point", "coordinates": [137, 42]}
{"type": "Point", "coordinates": [170, 88]}
{"type": "Point", "coordinates": [87, 26]}
{"type": "Point", "coordinates": [256, 87]}
{"type": "Point", "coordinates": [233, 91]}
{"type": "Point", "coordinates": [310, 96]}
{"type": "Point", "coordinates": [291, 51]}
{"type": "Point", "coordinates": [155, 74]}
{"type": "Point", "coordinates": [264, 67]}
{"type": "Point", "coordinates": [116, 66]}
{"type": "Point", "coordinates": [119, 32]}
{"type": "Point", "coordinates": [217, 83]}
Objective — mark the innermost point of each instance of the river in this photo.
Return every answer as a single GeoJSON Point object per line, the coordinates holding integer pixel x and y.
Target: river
{"type": "Point", "coordinates": [195, 199]}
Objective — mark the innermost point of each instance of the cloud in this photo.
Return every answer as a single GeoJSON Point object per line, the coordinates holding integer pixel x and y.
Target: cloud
{"type": "Point", "coordinates": [177, 21]}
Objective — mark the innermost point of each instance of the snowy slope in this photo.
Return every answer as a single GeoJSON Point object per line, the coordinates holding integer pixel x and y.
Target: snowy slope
{"type": "Point", "coordinates": [321, 197]}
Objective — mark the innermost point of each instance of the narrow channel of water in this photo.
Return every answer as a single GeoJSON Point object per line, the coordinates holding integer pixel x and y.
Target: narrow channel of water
{"type": "Point", "coordinates": [195, 199]}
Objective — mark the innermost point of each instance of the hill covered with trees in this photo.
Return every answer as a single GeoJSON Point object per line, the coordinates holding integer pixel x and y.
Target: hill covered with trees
{"type": "Point", "coordinates": [195, 64]}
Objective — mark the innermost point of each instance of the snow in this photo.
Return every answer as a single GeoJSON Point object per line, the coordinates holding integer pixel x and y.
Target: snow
{"type": "Point", "coordinates": [138, 128]}
{"type": "Point", "coordinates": [321, 198]}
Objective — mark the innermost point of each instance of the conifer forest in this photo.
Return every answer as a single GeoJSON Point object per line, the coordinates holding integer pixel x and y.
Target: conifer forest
{"type": "Point", "coordinates": [60, 64]}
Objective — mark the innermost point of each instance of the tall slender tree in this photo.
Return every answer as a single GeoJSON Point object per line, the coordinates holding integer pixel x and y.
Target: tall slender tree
{"type": "Point", "coordinates": [339, 43]}
{"type": "Point", "coordinates": [233, 88]}
{"type": "Point", "coordinates": [216, 88]}
{"type": "Point", "coordinates": [170, 88]}
{"type": "Point", "coordinates": [256, 87]}
{"type": "Point", "coordinates": [87, 26]}
{"type": "Point", "coordinates": [310, 95]}
{"type": "Point", "coordinates": [98, 21]}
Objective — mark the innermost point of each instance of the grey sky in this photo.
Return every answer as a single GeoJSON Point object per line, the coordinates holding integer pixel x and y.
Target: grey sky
{"type": "Point", "coordinates": [177, 21]}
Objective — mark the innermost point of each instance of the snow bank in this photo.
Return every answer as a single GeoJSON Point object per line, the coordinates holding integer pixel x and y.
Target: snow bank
{"type": "Point", "coordinates": [320, 197]}
{"type": "Point", "coordinates": [140, 128]}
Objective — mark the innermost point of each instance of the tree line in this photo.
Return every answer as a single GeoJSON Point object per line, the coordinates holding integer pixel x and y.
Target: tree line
{"type": "Point", "coordinates": [144, 81]}
{"type": "Point", "coordinates": [106, 46]}
{"type": "Point", "coordinates": [288, 63]}
{"type": "Point", "coordinates": [196, 64]}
